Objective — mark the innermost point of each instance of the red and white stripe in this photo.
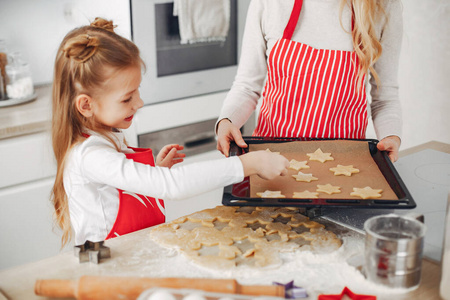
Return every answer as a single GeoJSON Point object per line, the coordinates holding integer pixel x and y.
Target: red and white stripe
{"type": "Point", "coordinates": [311, 92]}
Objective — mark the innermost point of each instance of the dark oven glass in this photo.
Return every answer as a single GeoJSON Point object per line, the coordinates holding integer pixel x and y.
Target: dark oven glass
{"type": "Point", "coordinates": [175, 58]}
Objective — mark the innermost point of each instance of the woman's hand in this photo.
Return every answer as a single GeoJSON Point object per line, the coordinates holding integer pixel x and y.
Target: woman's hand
{"type": "Point", "coordinates": [169, 156]}
{"type": "Point", "coordinates": [391, 144]}
{"type": "Point", "coordinates": [266, 165]}
{"type": "Point", "coordinates": [227, 132]}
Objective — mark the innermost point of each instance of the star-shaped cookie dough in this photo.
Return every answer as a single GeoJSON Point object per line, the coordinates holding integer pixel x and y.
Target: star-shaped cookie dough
{"type": "Point", "coordinates": [328, 188]}
{"type": "Point", "coordinates": [271, 194]}
{"type": "Point", "coordinates": [366, 193]}
{"type": "Point", "coordinates": [268, 150]}
{"type": "Point", "coordinates": [298, 165]}
{"type": "Point", "coordinates": [305, 194]}
{"type": "Point", "coordinates": [320, 156]}
{"type": "Point", "coordinates": [304, 177]}
{"type": "Point", "coordinates": [344, 170]}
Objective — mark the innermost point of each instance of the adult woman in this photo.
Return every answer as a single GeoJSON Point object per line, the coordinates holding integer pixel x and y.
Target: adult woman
{"type": "Point", "coordinates": [314, 69]}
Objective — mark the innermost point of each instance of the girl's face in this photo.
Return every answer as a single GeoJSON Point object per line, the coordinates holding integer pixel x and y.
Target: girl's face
{"type": "Point", "coordinates": [119, 100]}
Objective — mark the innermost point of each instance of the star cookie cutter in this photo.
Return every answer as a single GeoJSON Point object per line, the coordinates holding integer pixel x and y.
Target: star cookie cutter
{"type": "Point", "coordinates": [92, 252]}
{"type": "Point", "coordinates": [347, 292]}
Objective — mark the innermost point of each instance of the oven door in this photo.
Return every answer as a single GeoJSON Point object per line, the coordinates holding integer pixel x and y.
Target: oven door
{"type": "Point", "coordinates": [176, 70]}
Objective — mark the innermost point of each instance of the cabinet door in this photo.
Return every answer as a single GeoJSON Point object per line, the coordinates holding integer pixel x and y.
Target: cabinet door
{"type": "Point", "coordinates": [26, 158]}
{"type": "Point", "coordinates": [26, 224]}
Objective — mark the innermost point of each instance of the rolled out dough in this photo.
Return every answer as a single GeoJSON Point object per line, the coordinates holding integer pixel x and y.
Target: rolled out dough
{"type": "Point", "coordinates": [226, 237]}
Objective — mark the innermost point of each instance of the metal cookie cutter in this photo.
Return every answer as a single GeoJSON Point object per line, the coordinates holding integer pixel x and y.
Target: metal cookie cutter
{"type": "Point", "coordinates": [92, 252]}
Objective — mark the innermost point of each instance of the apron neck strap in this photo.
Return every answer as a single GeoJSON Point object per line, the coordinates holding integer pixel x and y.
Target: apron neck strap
{"type": "Point", "coordinates": [290, 27]}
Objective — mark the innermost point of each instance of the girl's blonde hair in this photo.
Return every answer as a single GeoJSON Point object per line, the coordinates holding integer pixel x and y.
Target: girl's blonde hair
{"type": "Point", "coordinates": [366, 15]}
{"type": "Point", "coordinates": [80, 68]}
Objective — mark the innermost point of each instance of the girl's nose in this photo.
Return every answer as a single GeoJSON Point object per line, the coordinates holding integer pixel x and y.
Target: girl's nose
{"type": "Point", "coordinates": [139, 102]}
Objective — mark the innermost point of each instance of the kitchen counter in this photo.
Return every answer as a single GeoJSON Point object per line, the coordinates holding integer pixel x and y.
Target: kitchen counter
{"type": "Point", "coordinates": [138, 256]}
{"type": "Point", "coordinates": [135, 255]}
{"type": "Point", "coordinates": [29, 117]}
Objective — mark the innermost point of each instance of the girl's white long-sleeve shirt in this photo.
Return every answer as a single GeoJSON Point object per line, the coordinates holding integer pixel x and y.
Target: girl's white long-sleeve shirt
{"type": "Point", "coordinates": [95, 170]}
{"type": "Point", "coordinates": [318, 26]}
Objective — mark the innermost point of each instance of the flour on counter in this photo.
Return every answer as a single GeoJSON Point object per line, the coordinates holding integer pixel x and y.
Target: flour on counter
{"type": "Point", "coordinates": [318, 273]}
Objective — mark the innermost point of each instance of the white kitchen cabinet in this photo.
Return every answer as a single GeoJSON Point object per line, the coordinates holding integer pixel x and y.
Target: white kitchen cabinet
{"type": "Point", "coordinates": [26, 158]}
{"type": "Point", "coordinates": [26, 226]}
{"type": "Point", "coordinates": [26, 178]}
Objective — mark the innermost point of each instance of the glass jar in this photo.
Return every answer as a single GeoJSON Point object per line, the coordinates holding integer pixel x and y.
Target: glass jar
{"type": "Point", "coordinates": [19, 83]}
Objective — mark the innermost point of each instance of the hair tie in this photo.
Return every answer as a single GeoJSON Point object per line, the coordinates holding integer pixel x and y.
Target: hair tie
{"type": "Point", "coordinates": [92, 41]}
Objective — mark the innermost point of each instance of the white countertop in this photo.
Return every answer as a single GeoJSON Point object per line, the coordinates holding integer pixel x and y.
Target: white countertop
{"type": "Point", "coordinates": [29, 117]}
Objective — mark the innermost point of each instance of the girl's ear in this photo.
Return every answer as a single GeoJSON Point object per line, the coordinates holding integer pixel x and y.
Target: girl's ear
{"type": "Point", "coordinates": [83, 104]}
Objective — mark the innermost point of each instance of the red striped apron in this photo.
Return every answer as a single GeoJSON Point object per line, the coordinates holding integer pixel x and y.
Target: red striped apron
{"type": "Point", "coordinates": [311, 92]}
{"type": "Point", "coordinates": [136, 211]}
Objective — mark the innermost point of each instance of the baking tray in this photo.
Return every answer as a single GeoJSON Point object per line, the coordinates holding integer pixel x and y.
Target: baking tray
{"type": "Point", "coordinates": [239, 194]}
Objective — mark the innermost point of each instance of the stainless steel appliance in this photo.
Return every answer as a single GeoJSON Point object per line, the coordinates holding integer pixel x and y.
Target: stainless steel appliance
{"type": "Point", "coordinates": [196, 138]}
{"type": "Point", "coordinates": [176, 70]}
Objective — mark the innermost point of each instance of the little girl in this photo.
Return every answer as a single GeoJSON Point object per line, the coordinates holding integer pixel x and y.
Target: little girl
{"type": "Point", "coordinates": [103, 188]}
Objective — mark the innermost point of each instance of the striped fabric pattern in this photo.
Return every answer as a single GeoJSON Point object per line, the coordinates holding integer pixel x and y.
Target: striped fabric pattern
{"type": "Point", "coordinates": [312, 93]}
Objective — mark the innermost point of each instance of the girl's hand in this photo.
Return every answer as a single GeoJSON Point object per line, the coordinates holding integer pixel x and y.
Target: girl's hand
{"type": "Point", "coordinates": [227, 132]}
{"type": "Point", "coordinates": [266, 165]}
{"type": "Point", "coordinates": [169, 156]}
{"type": "Point", "coordinates": [391, 144]}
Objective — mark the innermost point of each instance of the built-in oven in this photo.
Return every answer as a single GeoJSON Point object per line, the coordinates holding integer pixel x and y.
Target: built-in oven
{"type": "Point", "coordinates": [176, 70]}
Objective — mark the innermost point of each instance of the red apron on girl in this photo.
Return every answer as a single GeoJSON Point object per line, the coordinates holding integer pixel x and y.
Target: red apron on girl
{"type": "Point", "coordinates": [311, 92]}
{"type": "Point", "coordinates": [136, 211]}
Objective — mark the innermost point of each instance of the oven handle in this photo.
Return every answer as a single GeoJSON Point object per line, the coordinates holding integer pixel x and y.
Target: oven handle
{"type": "Point", "coordinates": [200, 139]}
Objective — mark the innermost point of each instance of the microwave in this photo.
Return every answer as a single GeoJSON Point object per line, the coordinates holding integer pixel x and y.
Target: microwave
{"type": "Point", "coordinates": [176, 71]}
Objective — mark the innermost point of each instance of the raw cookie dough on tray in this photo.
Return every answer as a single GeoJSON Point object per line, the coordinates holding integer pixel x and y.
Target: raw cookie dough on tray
{"type": "Point", "coordinates": [336, 169]}
{"type": "Point", "coordinates": [226, 237]}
